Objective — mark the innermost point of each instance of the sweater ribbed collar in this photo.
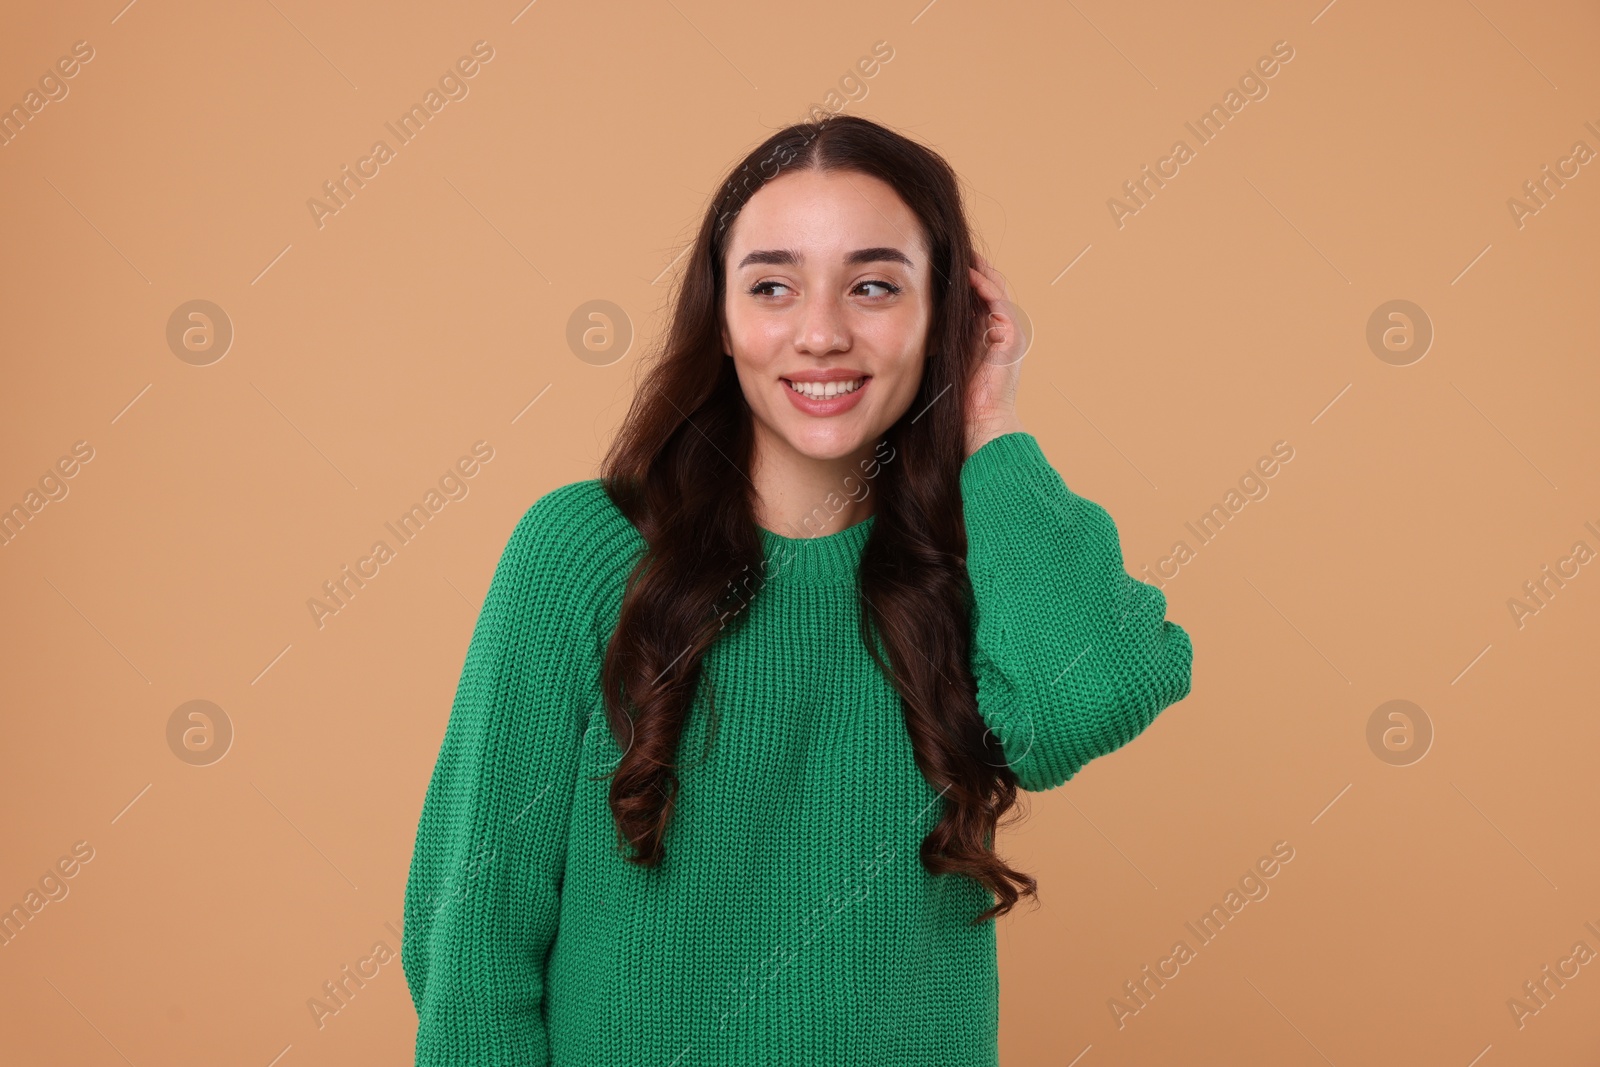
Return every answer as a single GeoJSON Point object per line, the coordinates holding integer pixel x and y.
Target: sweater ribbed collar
{"type": "Point", "coordinates": [812, 559]}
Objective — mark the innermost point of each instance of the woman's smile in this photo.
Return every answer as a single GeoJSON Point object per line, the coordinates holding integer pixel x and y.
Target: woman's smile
{"type": "Point", "coordinates": [825, 393]}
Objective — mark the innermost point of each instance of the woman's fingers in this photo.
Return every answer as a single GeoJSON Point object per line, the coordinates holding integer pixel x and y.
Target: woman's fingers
{"type": "Point", "coordinates": [987, 270]}
{"type": "Point", "coordinates": [984, 284]}
{"type": "Point", "coordinates": [982, 278]}
{"type": "Point", "coordinates": [997, 299]}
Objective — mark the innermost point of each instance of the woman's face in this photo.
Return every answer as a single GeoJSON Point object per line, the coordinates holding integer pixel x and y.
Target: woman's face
{"type": "Point", "coordinates": [827, 291]}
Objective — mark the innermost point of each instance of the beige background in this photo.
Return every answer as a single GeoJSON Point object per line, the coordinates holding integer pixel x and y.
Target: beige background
{"type": "Point", "coordinates": [431, 312]}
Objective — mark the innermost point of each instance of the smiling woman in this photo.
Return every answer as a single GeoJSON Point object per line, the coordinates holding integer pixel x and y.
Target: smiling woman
{"type": "Point", "coordinates": [747, 814]}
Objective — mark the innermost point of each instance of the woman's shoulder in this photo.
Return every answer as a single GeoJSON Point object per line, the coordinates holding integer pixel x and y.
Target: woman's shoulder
{"type": "Point", "coordinates": [574, 505]}
{"type": "Point", "coordinates": [576, 533]}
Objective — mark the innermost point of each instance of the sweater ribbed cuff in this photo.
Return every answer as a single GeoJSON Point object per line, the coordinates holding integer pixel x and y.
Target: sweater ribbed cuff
{"type": "Point", "coordinates": [1001, 458]}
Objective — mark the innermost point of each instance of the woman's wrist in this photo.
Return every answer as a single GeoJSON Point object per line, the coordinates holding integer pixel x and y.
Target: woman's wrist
{"type": "Point", "coordinates": [984, 431]}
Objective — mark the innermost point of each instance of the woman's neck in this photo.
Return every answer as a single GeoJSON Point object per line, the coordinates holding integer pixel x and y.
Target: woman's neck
{"type": "Point", "coordinates": [801, 496]}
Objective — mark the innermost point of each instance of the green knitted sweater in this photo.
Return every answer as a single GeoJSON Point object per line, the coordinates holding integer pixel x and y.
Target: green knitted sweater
{"type": "Point", "coordinates": [790, 920]}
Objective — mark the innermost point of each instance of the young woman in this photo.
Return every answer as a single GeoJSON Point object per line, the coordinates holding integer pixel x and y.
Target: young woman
{"type": "Point", "coordinates": [739, 719]}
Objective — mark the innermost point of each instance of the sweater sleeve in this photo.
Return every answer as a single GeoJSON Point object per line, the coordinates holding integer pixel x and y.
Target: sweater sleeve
{"type": "Point", "coordinates": [1072, 656]}
{"type": "Point", "coordinates": [483, 891]}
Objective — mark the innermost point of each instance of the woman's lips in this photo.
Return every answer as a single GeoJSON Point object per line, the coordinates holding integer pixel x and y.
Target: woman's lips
{"type": "Point", "coordinates": [833, 405]}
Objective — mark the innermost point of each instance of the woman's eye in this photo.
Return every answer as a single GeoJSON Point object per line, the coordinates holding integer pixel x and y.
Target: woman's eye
{"type": "Point", "coordinates": [765, 288]}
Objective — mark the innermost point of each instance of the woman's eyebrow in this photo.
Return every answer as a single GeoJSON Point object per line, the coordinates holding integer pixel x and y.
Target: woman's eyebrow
{"type": "Point", "coordinates": [788, 257]}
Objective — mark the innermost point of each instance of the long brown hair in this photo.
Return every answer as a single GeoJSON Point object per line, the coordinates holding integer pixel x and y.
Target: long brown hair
{"type": "Point", "coordinates": [668, 472]}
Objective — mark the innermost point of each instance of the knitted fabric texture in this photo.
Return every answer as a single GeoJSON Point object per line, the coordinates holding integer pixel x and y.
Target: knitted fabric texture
{"type": "Point", "coordinates": [790, 921]}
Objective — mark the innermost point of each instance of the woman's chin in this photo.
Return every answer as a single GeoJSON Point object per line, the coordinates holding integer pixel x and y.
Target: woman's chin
{"type": "Point", "coordinates": [825, 443]}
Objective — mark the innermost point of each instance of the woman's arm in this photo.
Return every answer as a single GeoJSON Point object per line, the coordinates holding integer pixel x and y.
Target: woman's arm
{"type": "Point", "coordinates": [1073, 657]}
{"type": "Point", "coordinates": [483, 893]}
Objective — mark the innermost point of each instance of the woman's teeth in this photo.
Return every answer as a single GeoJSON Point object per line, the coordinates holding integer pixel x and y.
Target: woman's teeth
{"type": "Point", "coordinates": [823, 390]}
